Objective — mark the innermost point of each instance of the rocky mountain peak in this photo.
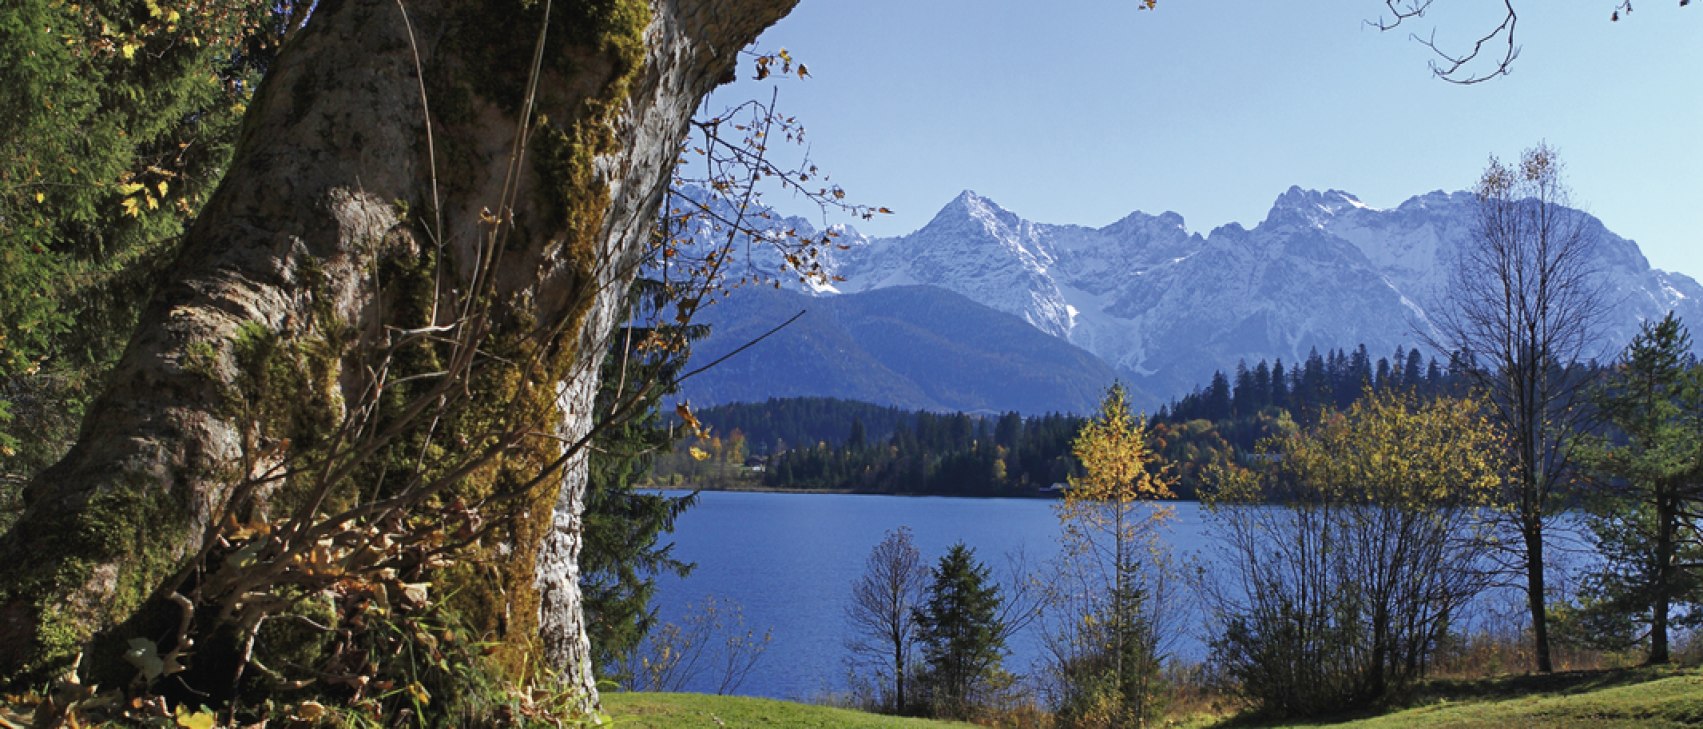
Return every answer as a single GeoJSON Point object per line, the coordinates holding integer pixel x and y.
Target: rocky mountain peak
{"type": "Point", "coordinates": [1311, 208]}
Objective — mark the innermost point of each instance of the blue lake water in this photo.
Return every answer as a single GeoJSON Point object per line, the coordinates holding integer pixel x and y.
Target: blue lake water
{"type": "Point", "coordinates": [790, 559]}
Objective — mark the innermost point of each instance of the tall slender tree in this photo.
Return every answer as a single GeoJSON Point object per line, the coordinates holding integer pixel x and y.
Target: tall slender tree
{"type": "Point", "coordinates": [1524, 308]}
{"type": "Point", "coordinates": [1108, 519]}
{"type": "Point", "coordinates": [883, 613]}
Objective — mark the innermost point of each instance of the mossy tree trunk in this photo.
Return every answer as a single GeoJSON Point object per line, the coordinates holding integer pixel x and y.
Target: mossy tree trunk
{"type": "Point", "coordinates": [331, 192]}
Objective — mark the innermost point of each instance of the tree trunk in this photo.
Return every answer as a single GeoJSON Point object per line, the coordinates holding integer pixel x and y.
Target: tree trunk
{"type": "Point", "coordinates": [1532, 531]}
{"type": "Point", "coordinates": [335, 183]}
{"type": "Point", "coordinates": [1666, 525]}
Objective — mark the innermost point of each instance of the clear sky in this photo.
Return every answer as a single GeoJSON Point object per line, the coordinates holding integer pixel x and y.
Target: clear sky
{"type": "Point", "coordinates": [1082, 111]}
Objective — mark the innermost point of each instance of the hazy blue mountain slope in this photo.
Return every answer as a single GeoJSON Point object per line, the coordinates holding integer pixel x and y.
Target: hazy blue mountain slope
{"type": "Point", "coordinates": [910, 346]}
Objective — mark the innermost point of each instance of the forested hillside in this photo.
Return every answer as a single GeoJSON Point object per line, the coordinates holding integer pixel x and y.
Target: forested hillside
{"type": "Point", "coordinates": [826, 443]}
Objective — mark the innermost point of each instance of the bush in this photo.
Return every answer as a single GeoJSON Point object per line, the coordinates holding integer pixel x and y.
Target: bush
{"type": "Point", "coordinates": [1342, 594]}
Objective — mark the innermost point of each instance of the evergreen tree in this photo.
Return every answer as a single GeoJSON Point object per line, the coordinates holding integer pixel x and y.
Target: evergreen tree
{"type": "Point", "coordinates": [1244, 401]}
{"type": "Point", "coordinates": [1314, 390]}
{"type": "Point", "coordinates": [620, 559]}
{"type": "Point", "coordinates": [1645, 520]}
{"type": "Point", "coordinates": [1262, 387]}
{"type": "Point", "coordinates": [1413, 375]}
{"type": "Point", "coordinates": [1218, 398]}
{"type": "Point", "coordinates": [960, 631]}
{"type": "Point", "coordinates": [1279, 385]}
{"type": "Point", "coordinates": [115, 126]}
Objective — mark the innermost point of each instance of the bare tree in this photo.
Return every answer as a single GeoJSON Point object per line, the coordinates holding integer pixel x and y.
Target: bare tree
{"type": "Point", "coordinates": [1525, 309]}
{"type": "Point", "coordinates": [881, 611]}
{"type": "Point", "coordinates": [710, 643]}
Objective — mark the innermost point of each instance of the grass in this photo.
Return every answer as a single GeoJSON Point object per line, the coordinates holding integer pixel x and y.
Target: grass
{"type": "Point", "coordinates": [689, 711]}
{"type": "Point", "coordinates": [1637, 697]}
{"type": "Point", "coordinates": [1644, 697]}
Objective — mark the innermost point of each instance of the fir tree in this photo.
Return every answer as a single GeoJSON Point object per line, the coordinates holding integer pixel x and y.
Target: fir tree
{"type": "Point", "coordinates": [960, 631]}
{"type": "Point", "coordinates": [1218, 398]}
{"type": "Point", "coordinates": [1412, 375]}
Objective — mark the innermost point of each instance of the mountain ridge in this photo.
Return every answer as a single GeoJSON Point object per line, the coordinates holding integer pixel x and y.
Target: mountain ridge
{"type": "Point", "coordinates": [1169, 306]}
{"type": "Point", "coordinates": [1166, 306]}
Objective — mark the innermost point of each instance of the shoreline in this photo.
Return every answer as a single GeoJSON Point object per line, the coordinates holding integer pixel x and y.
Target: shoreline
{"type": "Point", "coordinates": [760, 489]}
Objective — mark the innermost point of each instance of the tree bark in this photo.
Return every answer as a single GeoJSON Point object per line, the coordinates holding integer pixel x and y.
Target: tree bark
{"type": "Point", "coordinates": [334, 176]}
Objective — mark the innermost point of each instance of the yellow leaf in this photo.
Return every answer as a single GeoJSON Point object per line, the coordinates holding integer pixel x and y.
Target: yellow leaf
{"type": "Point", "coordinates": [684, 410]}
{"type": "Point", "coordinates": [197, 720]}
{"type": "Point", "coordinates": [162, 188]}
{"type": "Point", "coordinates": [40, 197]}
{"type": "Point", "coordinates": [153, 204]}
{"type": "Point", "coordinates": [698, 454]}
{"type": "Point", "coordinates": [132, 208]}
{"type": "Point", "coordinates": [129, 49]}
{"type": "Point", "coordinates": [129, 188]}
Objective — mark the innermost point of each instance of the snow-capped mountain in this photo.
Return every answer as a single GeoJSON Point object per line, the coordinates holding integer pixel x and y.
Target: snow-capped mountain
{"type": "Point", "coordinates": [1167, 306]}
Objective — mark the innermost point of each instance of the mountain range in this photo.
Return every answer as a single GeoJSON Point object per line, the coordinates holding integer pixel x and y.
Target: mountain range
{"type": "Point", "coordinates": [1164, 307]}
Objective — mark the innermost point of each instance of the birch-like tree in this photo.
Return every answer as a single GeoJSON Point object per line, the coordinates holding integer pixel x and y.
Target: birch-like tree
{"type": "Point", "coordinates": [1112, 561]}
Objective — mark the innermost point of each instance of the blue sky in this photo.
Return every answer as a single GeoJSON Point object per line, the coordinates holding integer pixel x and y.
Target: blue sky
{"type": "Point", "coordinates": [1080, 112]}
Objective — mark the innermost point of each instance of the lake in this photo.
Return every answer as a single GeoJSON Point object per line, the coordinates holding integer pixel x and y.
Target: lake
{"type": "Point", "coordinates": [790, 559]}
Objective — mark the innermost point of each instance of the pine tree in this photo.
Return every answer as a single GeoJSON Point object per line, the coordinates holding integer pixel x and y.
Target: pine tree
{"type": "Point", "coordinates": [1262, 387]}
{"type": "Point", "coordinates": [1645, 519]}
{"type": "Point", "coordinates": [116, 125]}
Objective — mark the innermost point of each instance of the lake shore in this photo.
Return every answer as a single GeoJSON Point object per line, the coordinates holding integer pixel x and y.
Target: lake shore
{"type": "Point", "coordinates": [758, 488]}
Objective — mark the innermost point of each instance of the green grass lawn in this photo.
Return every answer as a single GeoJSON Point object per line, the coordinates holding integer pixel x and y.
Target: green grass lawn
{"type": "Point", "coordinates": [689, 711]}
{"type": "Point", "coordinates": [1653, 698]}
{"type": "Point", "coordinates": [1645, 697]}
